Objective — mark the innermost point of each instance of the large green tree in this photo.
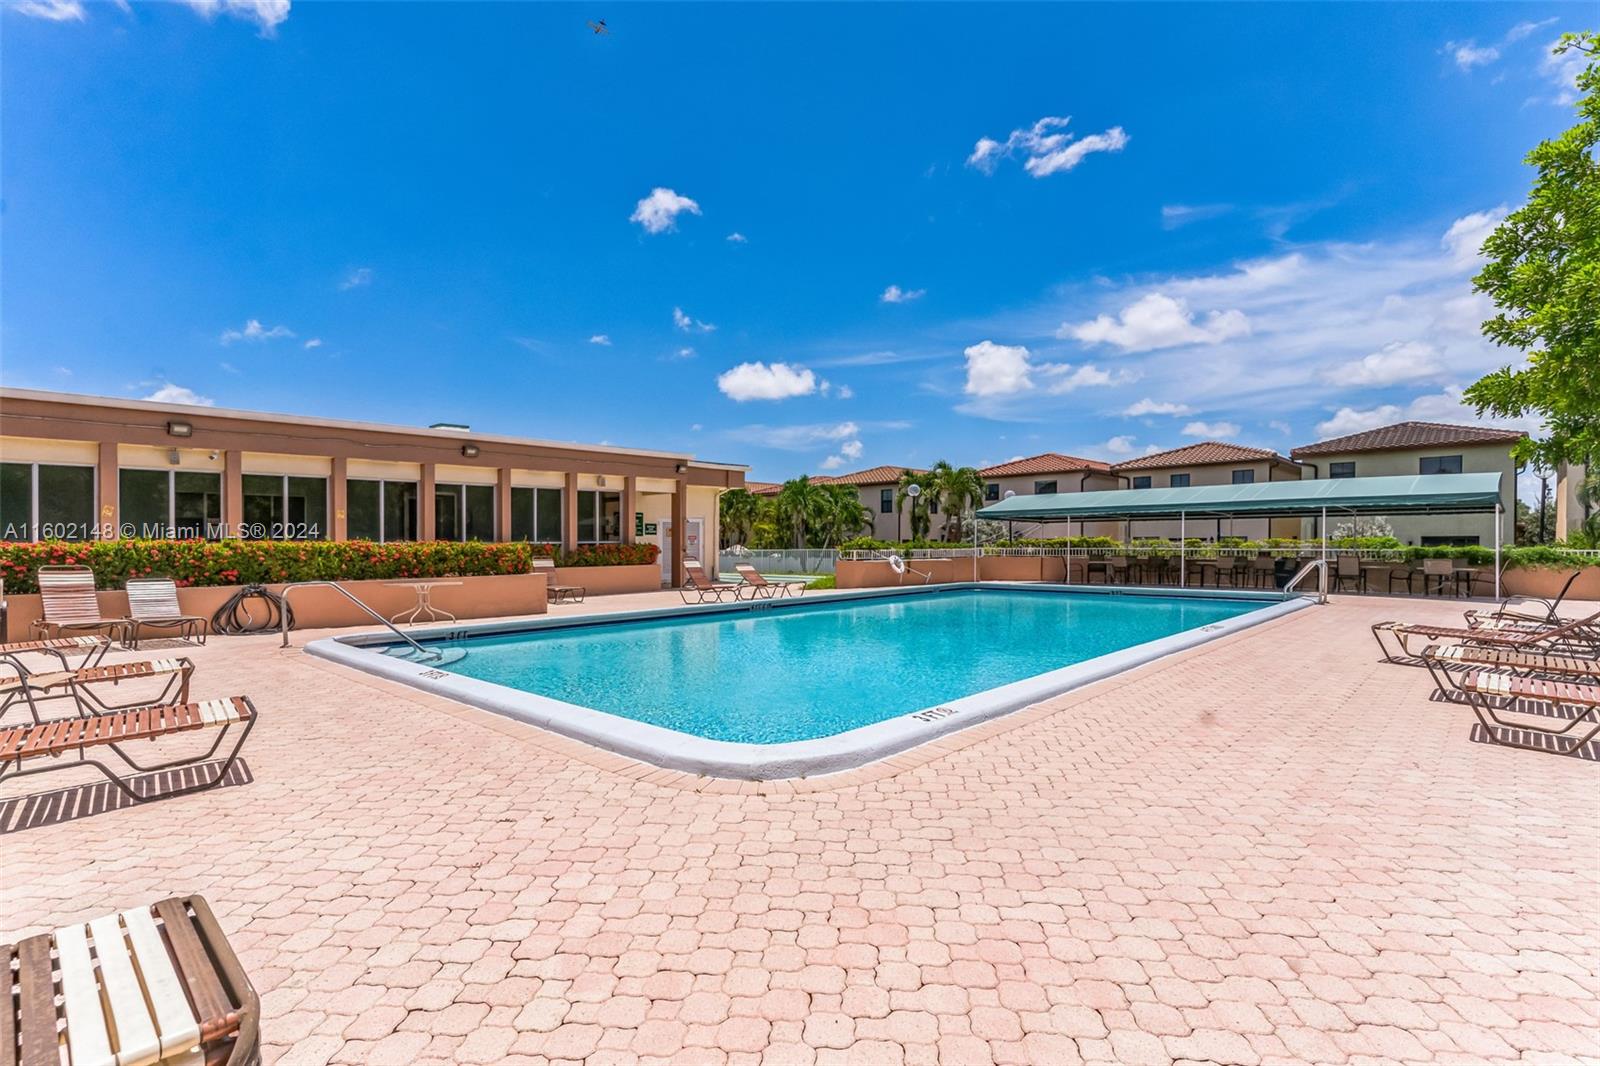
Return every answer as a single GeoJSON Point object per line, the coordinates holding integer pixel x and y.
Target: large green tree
{"type": "Point", "coordinates": [1544, 277]}
{"type": "Point", "coordinates": [801, 504]}
{"type": "Point", "coordinates": [841, 514]}
{"type": "Point", "coordinates": [927, 485]}
{"type": "Point", "coordinates": [740, 508]}
{"type": "Point", "coordinates": [959, 487]}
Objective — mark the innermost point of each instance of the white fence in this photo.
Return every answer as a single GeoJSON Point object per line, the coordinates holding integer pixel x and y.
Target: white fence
{"type": "Point", "coordinates": [780, 560]}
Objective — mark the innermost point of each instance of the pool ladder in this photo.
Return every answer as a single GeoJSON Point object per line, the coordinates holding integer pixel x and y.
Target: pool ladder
{"type": "Point", "coordinates": [427, 654]}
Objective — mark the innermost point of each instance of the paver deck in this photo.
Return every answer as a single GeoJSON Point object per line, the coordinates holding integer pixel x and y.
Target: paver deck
{"type": "Point", "coordinates": [1271, 848]}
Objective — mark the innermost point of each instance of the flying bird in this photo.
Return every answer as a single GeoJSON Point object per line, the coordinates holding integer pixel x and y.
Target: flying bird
{"type": "Point", "coordinates": [599, 27]}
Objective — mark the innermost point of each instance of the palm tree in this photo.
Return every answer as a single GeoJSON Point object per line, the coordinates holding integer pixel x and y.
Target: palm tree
{"type": "Point", "coordinates": [925, 484]}
{"type": "Point", "coordinates": [800, 505]}
{"type": "Point", "coordinates": [842, 515]}
{"type": "Point", "coordinates": [739, 509]}
{"type": "Point", "coordinates": [959, 488]}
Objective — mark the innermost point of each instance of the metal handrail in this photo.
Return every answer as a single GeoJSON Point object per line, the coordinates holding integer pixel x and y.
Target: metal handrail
{"type": "Point", "coordinates": [1319, 565]}
{"type": "Point", "coordinates": [427, 653]}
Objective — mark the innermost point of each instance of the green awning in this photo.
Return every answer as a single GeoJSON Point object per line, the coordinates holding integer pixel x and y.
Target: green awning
{"type": "Point", "coordinates": [1414, 494]}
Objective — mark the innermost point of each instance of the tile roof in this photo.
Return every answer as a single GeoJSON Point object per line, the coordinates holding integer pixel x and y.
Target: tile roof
{"type": "Point", "coordinates": [1403, 435]}
{"type": "Point", "coordinates": [1048, 463]}
{"type": "Point", "coordinates": [763, 488]}
{"type": "Point", "coordinates": [878, 475]}
{"type": "Point", "coordinates": [1203, 454]}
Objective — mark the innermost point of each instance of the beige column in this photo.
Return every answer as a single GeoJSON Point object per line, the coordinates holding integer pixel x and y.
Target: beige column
{"type": "Point", "coordinates": [569, 514]}
{"type": "Point", "coordinates": [233, 491]}
{"type": "Point", "coordinates": [339, 500]}
{"type": "Point", "coordinates": [630, 505]}
{"type": "Point", "coordinates": [425, 511]}
{"type": "Point", "coordinates": [502, 505]}
{"type": "Point", "coordinates": [680, 529]}
{"type": "Point", "coordinates": [106, 472]}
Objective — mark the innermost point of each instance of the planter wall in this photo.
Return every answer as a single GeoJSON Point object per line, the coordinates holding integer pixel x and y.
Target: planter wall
{"type": "Point", "coordinates": [322, 608]}
{"type": "Point", "coordinates": [612, 580]}
{"type": "Point", "coordinates": [1546, 582]}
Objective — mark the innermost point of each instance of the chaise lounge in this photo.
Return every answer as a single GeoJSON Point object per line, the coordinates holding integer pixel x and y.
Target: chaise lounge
{"type": "Point", "coordinates": [153, 602]}
{"type": "Point", "coordinates": [67, 596]}
{"type": "Point", "coordinates": [1488, 693]}
{"type": "Point", "coordinates": [31, 686]}
{"type": "Point", "coordinates": [558, 593]}
{"type": "Point", "coordinates": [1581, 635]}
{"type": "Point", "coordinates": [701, 587]}
{"type": "Point", "coordinates": [93, 648]}
{"type": "Point", "coordinates": [760, 586]}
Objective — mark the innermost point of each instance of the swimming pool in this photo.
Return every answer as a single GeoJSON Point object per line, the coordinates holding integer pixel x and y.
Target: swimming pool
{"type": "Point", "coordinates": [807, 685]}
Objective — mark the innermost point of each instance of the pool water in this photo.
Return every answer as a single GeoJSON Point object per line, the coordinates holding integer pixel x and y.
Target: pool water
{"type": "Point", "coordinates": [816, 669]}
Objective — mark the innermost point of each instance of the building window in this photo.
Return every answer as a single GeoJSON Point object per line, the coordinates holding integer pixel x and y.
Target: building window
{"type": "Point", "coordinates": [536, 515]}
{"type": "Point", "coordinates": [886, 501]}
{"type": "Point", "coordinates": [1142, 481]}
{"type": "Point", "coordinates": [599, 517]}
{"type": "Point", "coordinates": [1244, 477]}
{"type": "Point", "coordinates": [1179, 481]}
{"type": "Point", "coordinates": [1341, 469]}
{"type": "Point", "coordinates": [282, 507]}
{"type": "Point", "coordinates": [991, 491]}
{"type": "Point", "coordinates": [180, 504]}
{"type": "Point", "coordinates": [933, 505]}
{"type": "Point", "coordinates": [1439, 464]}
{"type": "Point", "coordinates": [381, 510]}
{"type": "Point", "coordinates": [43, 502]}
{"type": "Point", "coordinates": [1044, 488]}
{"type": "Point", "coordinates": [463, 512]}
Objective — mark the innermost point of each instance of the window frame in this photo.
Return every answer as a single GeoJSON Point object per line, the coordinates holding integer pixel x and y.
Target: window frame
{"type": "Point", "coordinates": [599, 515]}
{"type": "Point", "coordinates": [171, 529]}
{"type": "Point", "coordinates": [1351, 464]}
{"type": "Point", "coordinates": [1248, 478]}
{"type": "Point", "coordinates": [1423, 460]}
{"type": "Point", "coordinates": [90, 529]}
{"type": "Point", "coordinates": [991, 491]}
{"type": "Point", "coordinates": [1134, 482]}
{"type": "Point", "coordinates": [283, 499]}
{"type": "Point", "coordinates": [1053, 489]}
{"type": "Point", "coordinates": [458, 489]}
{"type": "Point", "coordinates": [886, 501]}
{"type": "Point", "coordinates": [1174, 483]}
{"type": "Point", "coordinates": [383, 508]}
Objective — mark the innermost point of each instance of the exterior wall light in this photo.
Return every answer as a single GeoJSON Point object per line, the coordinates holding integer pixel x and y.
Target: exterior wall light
{"type": "Point", "coordinates": [180, 429]}
{"type": "Point", "coordinates": [682, 468]}
{"type": "Point", "coordinates": [469, 450]}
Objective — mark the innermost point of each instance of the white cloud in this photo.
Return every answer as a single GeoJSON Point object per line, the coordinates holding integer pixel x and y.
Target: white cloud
{"type": "Point", "coordinates": [1122, 445]}
{"type": "Point", "coordinates": [658, 212]}
{"type": "Point", "coordinates": [170, 393]}
{"type": "Point", "coordinates": [997, 369]}
{"type": "Point", "coordinates": [1393, 363]}
{"type": "Point", "coordinates": [1467, 234]}
{"type": "Point", "coordinates": [52, 10]}
{"type": "Point", "coordinates": [1157, 320]}
{"type": "Point", "coordinates": [685, 352]}
{"type": "Point", "coordinates": [851, 449]}
{"type": "Point", "coordinates": [254, 331]}
{"type": "Point", "coordinates": [845, 392]}
{"type": "Point", "coordinates": [801, 438]}
{"type": "Point", "coordinates": [267, 14]}
{"type": "Point", "coordinates": [690, 325]}
{"type": "Point", "coordinates": [314, 342]}
{"type": "Point", "coordinates": [738, 238]}
{"type": "Point", "coordinates": [1175, 215]}
{"type": "Point", "coordinates": [1148, 406]}
{"type": "Point", "coordinates": [229, 368]}
{"type": "Point", "coordinates": [1049, 149]}
{"type": "Point", "coordinates": [602, 339]}
{"type": "Point", "coordinates": [833, 462]}
{"type": "Point", "coordinates": [766, 381]}
{"type": "Point", "coordinates": [1444, 406]}
{"type": "Point", "coordinates": [1562, 71]}
{"type": "Point", "coordinates": [1467, 54]}
{"type": "Point", "coordinates": [894, 294]}
{"type": "Point", "coordinates": [1282, 427]}
{"type": "Point", "coordinates": [1523, 29]}
{"type": "Point", "coordinates": [356, 278]}
{"type": "Point", "coordinates": [1065, 378]}
{"type": "Point", "coordinates": [1210, 430]}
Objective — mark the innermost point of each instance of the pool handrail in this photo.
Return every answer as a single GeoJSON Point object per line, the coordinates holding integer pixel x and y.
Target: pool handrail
{"type": "Point", "coordinates": [426, 653]}
{"type": "Point", "coordinates": [1319, 565]}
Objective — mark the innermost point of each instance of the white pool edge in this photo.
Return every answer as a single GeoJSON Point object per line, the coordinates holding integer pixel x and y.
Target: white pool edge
{"type": "Point", "coordinates": [802, 758]}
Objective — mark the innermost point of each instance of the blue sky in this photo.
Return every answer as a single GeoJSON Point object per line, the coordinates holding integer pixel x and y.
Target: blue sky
{"type": "Point", "coordinates": [805, 237]}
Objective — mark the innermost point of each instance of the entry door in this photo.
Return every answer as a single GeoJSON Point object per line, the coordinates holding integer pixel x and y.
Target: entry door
{"type": "Point", "coordinates": [664, 540]}
{"type": "Point", "coordinates": [691, 545]}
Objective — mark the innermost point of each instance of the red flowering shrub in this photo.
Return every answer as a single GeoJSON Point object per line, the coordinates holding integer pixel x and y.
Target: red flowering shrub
{"type": "Point", "coordinates": [246, 562]}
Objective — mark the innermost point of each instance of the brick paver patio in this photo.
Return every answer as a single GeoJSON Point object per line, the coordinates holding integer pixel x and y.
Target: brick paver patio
{"type": "Point", "coordinates": [1273, 848]}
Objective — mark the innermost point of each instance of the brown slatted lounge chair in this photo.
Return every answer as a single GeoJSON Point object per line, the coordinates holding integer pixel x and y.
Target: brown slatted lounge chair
{"type": "Point", "coordinates": [1581, 636]}
{"type": "Point", "coordinates": [38, 749]}
{"type": "Point", "coordinates": [78, 685]}
{"type": "Point", "coordinates": [1441, 659]}
{"type": "Point", "coordinates": [761, 586]}
{"type": "Point", "coordinates": [93, 648]}
{"type": "Point", "coordinates": [559, 593]}
{"type": "Point", "coordinates": [67, 595]}
{"type": "Point", "coordinates": [1488, 693]}
{"type": "Point", "coordinates": [1525, 608]}
{"type": "Point", "coordinates": [153, 602]}
{"type": "Point", "coordinates": [701, 587]}
{"type": "Point", "coordinates": [150, 986]}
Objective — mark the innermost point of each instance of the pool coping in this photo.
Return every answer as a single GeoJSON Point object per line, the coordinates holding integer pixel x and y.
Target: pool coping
{"type": "Point", "coordinates": [849, 750]}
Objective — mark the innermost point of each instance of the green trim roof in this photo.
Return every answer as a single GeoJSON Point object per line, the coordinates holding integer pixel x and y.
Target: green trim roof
{"type": "Point", "coordinates": [1412, 494]}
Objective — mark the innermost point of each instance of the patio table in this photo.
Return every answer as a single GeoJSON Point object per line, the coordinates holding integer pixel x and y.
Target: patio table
{"type": "Point", "coordinates": [424, 591]}
{"type": "Point", "coordinates": [1385, 569]}
{"type": "Point", "coordinates": [1467, 573]}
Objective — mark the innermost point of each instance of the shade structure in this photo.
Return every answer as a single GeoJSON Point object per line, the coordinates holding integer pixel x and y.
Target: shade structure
{"type": "Point", "coordinates": [1411, 494]}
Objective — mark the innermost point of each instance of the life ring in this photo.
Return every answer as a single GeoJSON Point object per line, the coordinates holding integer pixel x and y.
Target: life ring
{"type": "Point", "coordinates": [897, 564]}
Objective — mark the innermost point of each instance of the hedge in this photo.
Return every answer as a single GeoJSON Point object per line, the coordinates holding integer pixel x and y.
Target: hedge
{"type": "Point", "coordinates": [244, 562]}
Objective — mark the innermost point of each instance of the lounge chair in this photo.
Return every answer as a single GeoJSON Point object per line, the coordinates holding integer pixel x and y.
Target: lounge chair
{"type": "Point", "coordinates": [163, 986]}
{"type": "Point", "coordinates": [1488, 693]}
{"type": "Point", "coordinates": [28, 686]}
{"type": "Point", "coordinates": [68, 598]}
{"type": "Point", "coordinates": [38, 749]}
{"type": "Point", "coordinates": [153, 602]}
{"type": "Point", "coordinates": [701, 587]}
{"type": "Point", "coordinates": [543, 564]}
{"type": "Point", "coordinates": [1581, 635]}
{"type": "Point", "coordinates": [1525, 608]}
{"type": "Point", "coordinates": [1441, 659]}
{"type": "Point", "coordinates": [760, 586]}
{"type": "Point", "coordinates": [93, 648]}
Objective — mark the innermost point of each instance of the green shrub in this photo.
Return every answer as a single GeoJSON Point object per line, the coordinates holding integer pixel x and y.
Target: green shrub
{"type": "Point", "coordinates": [245, 562]}
{"type": "Point", "coordinates": [826, 581]}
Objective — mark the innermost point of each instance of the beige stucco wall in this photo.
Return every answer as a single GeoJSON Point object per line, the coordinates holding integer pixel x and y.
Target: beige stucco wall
{"type": "Point", "coordinates": [1475, 459]}
{"type": "Point", "coordinates": [1569, 511]}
